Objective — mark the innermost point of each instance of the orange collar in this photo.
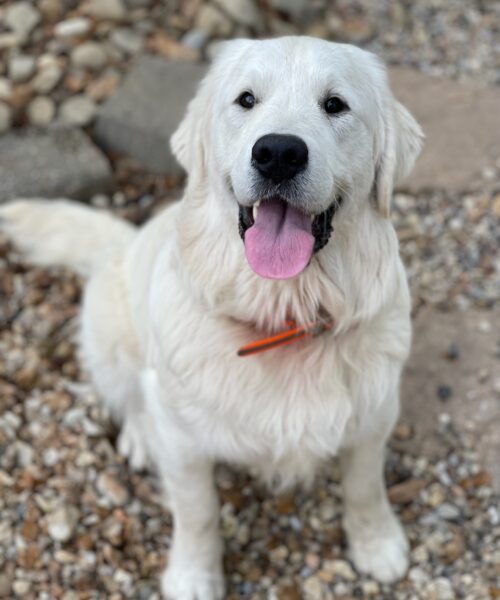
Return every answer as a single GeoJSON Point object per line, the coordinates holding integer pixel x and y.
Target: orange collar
{"type": "Point", "coordinates": [291, 335]}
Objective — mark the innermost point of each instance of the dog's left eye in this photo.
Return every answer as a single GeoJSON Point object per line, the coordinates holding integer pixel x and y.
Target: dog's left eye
{"type": "Point", "coordinates": [335, 105]}
{"type": "Point", "coordinates": [246, 100]}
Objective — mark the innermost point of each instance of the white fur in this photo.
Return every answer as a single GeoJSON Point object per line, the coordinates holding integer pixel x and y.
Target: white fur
{"type": "Point", "coordinates": [165, 313]}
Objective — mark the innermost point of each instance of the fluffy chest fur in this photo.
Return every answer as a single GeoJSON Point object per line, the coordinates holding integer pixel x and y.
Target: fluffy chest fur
{"type": "Point", "coordinates": [282, 411]}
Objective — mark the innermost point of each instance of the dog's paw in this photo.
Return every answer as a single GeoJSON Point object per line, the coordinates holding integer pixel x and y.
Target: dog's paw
{"type": "Point", "coordinates": [132, 446]}
{"type": "Point", "coordinates": [186, 584]}
{"type": "Point", "coordinates": [382, 553]}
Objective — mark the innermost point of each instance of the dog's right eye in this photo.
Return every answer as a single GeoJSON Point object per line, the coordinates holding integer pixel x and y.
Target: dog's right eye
{"type": "Point", "coordinates": [246, 100]}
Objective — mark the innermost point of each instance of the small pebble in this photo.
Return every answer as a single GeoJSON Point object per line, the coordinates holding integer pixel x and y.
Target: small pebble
{"type": "Point", "coordinates": [112, 489]}
{"type": "Point", "coordinates": [127, 40]}
{"type": "Point", "coordinates": [112, 10]}
{"type": "Point", "coordinates": [78, 110]}
{"type": "Point", "coordinates": [444, 392]}
{"type": "Point", "coordinates": [89, 55]}
{"type": "Point", "coordinates": [448, 512]}
{"type": "Point", "coordinates": [41, 111]}
{"type": "Point", "coordinates": [21, 67]}
{"type": "Point", "coordinates": [61, 524]}
{"type": "Point", "coordinates": [5, 88]}
{"type": "Point", "coordinates": [339, 568]}
{"type": "Point", "coordinates": [47, 78]}
{"type": "Point", "coordinates": [72, 27]}
{"type": "Point", "coordinates": [21, 588]}
{"type": "Point", "coordinates": [22, 18]}
{"type": "Point", "coordinates": [452, 352]}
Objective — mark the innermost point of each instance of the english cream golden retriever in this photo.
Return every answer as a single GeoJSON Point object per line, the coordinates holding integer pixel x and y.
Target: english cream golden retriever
{"type": "Point", "coordinates": [292, 148]}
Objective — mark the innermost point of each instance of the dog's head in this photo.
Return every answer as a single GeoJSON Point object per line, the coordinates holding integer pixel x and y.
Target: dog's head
{"type": "Point", "coordinates": [286, 131]}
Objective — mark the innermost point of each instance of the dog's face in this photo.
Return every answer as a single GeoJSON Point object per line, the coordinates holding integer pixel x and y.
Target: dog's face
{"type": "Point", "coordinates": [289, 129]}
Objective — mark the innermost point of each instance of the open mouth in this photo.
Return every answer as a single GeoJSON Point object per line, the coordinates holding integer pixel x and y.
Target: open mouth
{"type": "Point", "coordinates": [280, 239]}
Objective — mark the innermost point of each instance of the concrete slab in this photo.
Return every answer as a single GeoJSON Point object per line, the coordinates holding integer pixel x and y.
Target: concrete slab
{"type": "Point", "coordinates": [461, 122]}
{"type": "Point", "coordinates": [473, 378]}
{"type": "Point", "coordinates": [59, 161]}
{"type": "Point", "coordinates": [140, 117]}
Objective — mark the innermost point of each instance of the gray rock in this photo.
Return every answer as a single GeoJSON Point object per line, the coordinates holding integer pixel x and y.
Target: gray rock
{"type": "Point", "coordinates": [60, 161]}
{"type": "Point", "coordinates": [139, 119]}
{"type": "Point", "coordinates": [21, 67]}
{"type": "Point", "coordinates": [460, 140]}
{"type": "Point", "coordinates": [89, 55]}
{"type": "Point", "coordinates": [22, 18]}
{"type": "Point", "coordinates": [61, 524]}
{"type": "Point", "coordinates": [47, 78]}
{"type": "Point", "coordinates": [78, 110]}
{"type": "Point", "coordinates": [127, 40]}
{"type": "Point", "coordinates": [72, 27]}
{"type": "Point", "coordinates": [41, 111]}
{"type": "Point", "coordinates": [5, 117]}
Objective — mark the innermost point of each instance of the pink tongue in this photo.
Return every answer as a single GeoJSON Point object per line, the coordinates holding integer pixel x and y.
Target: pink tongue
{"type": "Point", "coordinates": [280, 243]}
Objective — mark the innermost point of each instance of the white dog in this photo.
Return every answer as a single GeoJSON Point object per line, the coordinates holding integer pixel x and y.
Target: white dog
{"type": "Point", "coordinates": [284, 140]}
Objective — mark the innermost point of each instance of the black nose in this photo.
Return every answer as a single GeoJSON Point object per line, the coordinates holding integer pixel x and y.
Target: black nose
{"type": "Point", "coordinates": [279, 157]}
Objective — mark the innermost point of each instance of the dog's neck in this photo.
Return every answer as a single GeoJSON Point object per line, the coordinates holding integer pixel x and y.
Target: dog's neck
{"type": "Point", "coordinates": [351, 278]}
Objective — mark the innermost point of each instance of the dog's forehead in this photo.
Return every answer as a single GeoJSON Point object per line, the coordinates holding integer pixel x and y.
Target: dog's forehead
{"type": "Point", "coordinates": [309, 63]}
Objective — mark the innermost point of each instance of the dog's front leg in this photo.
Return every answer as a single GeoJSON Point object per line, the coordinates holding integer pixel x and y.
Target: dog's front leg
{"type": "Point", "coordinates": [195, 562]}
{"type": "Point", "coordinates": [377, 543]}
{"type": "Point", "coordinates": [194, 569]}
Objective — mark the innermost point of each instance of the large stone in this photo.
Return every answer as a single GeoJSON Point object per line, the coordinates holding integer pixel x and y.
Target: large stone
{"type": "Point", "coordinates": [461, 122]}
{"type": "Point", "coordinates": [140, 117]}
{"type": "Point", "coordinates": [470, 369]}
{"type": "Point", "coordinates": [59, 161]}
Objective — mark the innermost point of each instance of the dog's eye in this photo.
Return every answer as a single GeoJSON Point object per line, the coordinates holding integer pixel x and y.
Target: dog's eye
{"type": "Point", "coordinates": [335, 105]}
{"type": "Point", "coordinates": [246, 100]}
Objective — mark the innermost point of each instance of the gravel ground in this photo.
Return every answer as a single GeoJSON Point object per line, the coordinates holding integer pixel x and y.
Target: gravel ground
{"type": "Point", "coordinates": [75, 522]}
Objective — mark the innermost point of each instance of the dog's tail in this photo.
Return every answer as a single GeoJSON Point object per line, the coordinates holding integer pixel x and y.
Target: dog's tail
{"type": "Point", "coordinates": [61, 232]}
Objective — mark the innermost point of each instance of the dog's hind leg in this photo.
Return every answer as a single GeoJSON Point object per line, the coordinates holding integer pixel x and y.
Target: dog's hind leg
{"type": "Point", "coordinates": [109, 351]}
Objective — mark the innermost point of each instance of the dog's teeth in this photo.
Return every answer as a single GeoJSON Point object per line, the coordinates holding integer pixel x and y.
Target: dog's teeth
{"type": "Point", "coordinates": [255, 209]}
{"type": "Point", "coordinates": [312, 218]}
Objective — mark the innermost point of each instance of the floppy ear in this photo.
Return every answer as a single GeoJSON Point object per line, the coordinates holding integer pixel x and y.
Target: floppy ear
{"type": "Point", "coordinates": [398, 149]}
{"type": "Point", "coordinates": [188, 142]}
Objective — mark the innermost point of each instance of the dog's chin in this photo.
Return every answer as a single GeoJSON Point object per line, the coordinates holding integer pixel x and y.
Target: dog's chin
{"type": "Point", "coordinates": [280, 238]}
